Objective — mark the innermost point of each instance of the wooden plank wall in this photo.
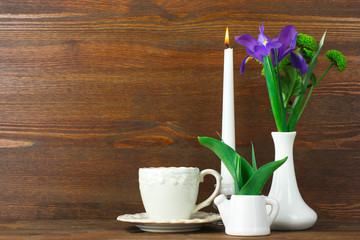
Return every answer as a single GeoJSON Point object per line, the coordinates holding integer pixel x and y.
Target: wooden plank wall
{"type": "Point", "coordinates": [92, 90]}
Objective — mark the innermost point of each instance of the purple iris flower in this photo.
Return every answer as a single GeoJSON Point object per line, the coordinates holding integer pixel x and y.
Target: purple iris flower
{"type": "Point", "coordinates": [256, 48]}
{"type": "Point", "coordinates": [285, 44]}
{"type": "Point", "coordinates": [287, 39]}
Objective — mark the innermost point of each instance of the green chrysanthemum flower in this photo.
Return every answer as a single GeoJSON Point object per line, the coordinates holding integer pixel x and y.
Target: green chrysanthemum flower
{"type": "Point", "coordinates": [306, 41]}
{"type": "Point", "coordinates": [306, 45]}
{"type": "Point", "coordinates": [307, 54]}
{"type": "Point", "coordinates": [337, 58]}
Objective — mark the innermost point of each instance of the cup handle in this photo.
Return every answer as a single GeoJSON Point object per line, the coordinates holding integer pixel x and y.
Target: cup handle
{"type": "Point", "coordinates": [216, 192]}
{"type": "Point", "coordinates": [274, 208]}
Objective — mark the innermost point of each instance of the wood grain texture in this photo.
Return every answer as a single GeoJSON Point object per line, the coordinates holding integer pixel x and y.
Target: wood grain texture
{"type": "Point", "coordinates": [92, 90]}
{"type": "Point", "coordinates": [111, 229]}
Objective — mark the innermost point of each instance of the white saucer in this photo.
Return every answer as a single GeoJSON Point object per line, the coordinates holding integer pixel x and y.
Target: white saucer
{"type": "Point", "coordinates": [195, 222]}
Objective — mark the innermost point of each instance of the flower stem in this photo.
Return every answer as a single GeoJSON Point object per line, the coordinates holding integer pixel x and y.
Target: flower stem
{"type": "Point", "coordinates": [278, 80]}
{"type": "Point", "coordinates": [327, 70]}
{"type": "Point", "coordinates": [312, 88]}
{"type": "Point", "coordinates": [295, 116]}
{"type": "Point", "coordinates": [274, 95]}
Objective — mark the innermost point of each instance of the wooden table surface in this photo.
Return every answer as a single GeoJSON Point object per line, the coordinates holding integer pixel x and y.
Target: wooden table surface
{"type": "Point", "coordinates": [112, 229]}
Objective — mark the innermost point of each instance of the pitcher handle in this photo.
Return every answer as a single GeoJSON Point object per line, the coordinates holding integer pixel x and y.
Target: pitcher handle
{"type": "Point", "coordinates": [274, 208]}
{"type": "Point", "coordinates": [216, 192]}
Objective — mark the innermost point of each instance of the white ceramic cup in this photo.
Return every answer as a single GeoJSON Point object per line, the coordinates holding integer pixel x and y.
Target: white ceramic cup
{"type": "Point", "coordinates": [171, 193]}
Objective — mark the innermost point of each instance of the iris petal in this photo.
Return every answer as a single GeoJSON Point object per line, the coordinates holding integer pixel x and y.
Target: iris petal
{"type": "Point", "coordinates": [262, 38]}
{"type": "Point", "coordinates": [287, 35]}
{"type": "Point", "coordinates": [293, 42]}
{"type": "Point", "coordinates": [256, 55]}
{"type": "Point", "coordinates": [242, 69]}
{"type": "Point", "coordinates": [265, 50]}
{"type": "Point", "coordinates": [247, 41]}
{"type": "Point", "coordinates": [272, 45]}
{"type": "Point", "coordinates": [298, 61]}
{"type": "Point", "coordinates": [287, 38]}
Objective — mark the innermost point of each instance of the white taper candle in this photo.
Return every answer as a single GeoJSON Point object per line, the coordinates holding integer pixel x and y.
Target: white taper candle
{"type": "Point", "coordinates": [228, 115]}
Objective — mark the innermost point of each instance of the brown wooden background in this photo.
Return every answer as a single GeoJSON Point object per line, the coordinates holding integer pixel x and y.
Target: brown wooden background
{"type": "Point", "coordinates": [91, 90]}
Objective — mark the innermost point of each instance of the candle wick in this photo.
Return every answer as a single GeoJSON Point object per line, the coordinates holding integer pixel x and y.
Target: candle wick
{"type": "Point", "coordinates": [227, 45]}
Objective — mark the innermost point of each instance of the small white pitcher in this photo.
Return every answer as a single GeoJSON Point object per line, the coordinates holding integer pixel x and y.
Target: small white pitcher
{"type": "Point", "coordinates": [246, 215]}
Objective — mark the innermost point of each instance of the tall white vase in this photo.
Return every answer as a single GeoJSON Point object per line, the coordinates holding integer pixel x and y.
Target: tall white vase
{"type": "Point", "coordinates": [294, 213]}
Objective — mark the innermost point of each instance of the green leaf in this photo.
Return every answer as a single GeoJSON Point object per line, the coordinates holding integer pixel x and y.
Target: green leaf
{"type": "Point", "coordinates": [239, 168]}
{"type": "Point", "coordinates": [314, 61]}
{"type": "Point", "coordinates": [288, 81]}
{"type": "Point", "coordinates": [289, 110]}
{"type": "Point", "coordinates": [239, 179]}
{"type": "Point", "coordinates": [246, 171]}
{"type": "Point", "coordinates": [303, 89]}
{"type": "Point", "coordinates": [227, 155]}
{"type": "Point", "coordinates": [296, 108]}
{"type": "Point", "coordinates": [256, 183]}
{"type": "Point", "coordinates": [298, 85]}
{"type": "Point", "coordinates": [253, 157]}
{"type": "Point", "coordinates": [291, 83]}
{"type": "Point", "coordinates": [313, 78]}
